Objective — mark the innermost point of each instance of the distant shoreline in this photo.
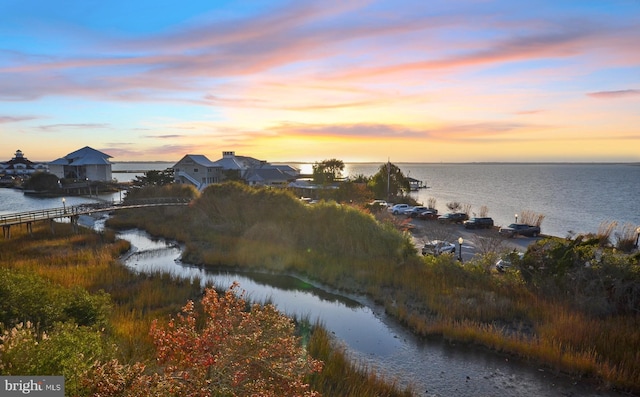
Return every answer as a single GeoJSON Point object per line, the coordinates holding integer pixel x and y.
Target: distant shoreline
{"type": "Point", "coordinates": [632, 163]}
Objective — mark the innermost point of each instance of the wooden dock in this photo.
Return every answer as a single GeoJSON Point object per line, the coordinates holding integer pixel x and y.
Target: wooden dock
{"type": "Point", "coordinates": [73, 212]}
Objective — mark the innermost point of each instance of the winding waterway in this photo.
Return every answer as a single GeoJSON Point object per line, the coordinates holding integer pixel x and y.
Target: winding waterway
{"type": "Point", "coordinates": [432, 368]}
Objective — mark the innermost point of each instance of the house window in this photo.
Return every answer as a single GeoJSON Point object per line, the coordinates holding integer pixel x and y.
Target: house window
{"type": "Point", "coordinates": [195, 170]}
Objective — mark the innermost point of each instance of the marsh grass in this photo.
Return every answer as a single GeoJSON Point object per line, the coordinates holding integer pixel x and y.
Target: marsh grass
{"type": "Point", "coordinates": [605, 231]}
{"type": "Point", "coordinates": [626, 238]}
{"type": "Point", "coordinates": [89, 260]}
{"type": "Point", "coordinates": [233, 225]}
{"type": "Point", "coordinates": [531, 218]}
{"type": "Point", "coordinates": [484, 211]}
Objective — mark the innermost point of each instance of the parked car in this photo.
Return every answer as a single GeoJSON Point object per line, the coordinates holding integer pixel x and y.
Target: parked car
{"type": "Point", "coordinates": [453, 217]}
{"type": "Point", "coordinates": [478, 223]}
{"type": "Point", "coordinates": [508, 260]}
{"type": "Point", "coordinates": [519, 229]}
{"type": "Point", "coordinates": [438, 247]}
{"type": "Point", "coordinates": [415, 211]}
{"type": "Point", "coordinates": [428, 214]}
{"type": "Point", "coordinates": [380, 203]}
{"type": "Point", "coordinates": [398, 209]}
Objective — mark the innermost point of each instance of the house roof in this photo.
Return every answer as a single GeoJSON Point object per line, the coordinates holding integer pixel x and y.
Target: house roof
{"type": "Point", "coordinates": [84, 156]}
{"type": "Point", "coordinates": [287, 169]}
{"type": "Point", "coordinates": [267, 174]}
{"type": "Point", "coordinates": [20, 159]}
{"type": "Point", "coordinates": [257, 170]}
{"type": "Point", "coordinates": [238, 162]}
{"type": "Point", "coordinates": [200, 159]}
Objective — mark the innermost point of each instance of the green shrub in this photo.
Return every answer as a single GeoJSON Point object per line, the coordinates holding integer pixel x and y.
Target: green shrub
{"type": "Point", "coordinates": [31, 298]}
{"type": "Point", "coordinates": [66, 350]}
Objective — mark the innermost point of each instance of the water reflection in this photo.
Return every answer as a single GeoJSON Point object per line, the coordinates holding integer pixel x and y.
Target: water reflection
{"type": "Point", "coordinates": [370, 337]}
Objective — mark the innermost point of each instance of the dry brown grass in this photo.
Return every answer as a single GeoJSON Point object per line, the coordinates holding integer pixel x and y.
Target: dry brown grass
{"type": "Point", "coordinates": [531, 218]}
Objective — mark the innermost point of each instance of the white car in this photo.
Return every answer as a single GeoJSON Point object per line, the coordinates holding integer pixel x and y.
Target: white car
{"type": "Point", "coordinates": [399, 209]}
{"type": "Point", "coordinates": [379, 203]}
{"type": "Point", "coordinates": [438, 247]}
{"type": "Point", "coordinates": [508, 260]}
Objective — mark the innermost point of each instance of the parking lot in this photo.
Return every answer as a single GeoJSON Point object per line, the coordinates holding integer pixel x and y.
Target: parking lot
{"type": "Point", "coordinates": [475, 241]}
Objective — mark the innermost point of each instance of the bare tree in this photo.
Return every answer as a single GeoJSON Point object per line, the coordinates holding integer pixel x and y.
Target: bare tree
{"type": "Point", "coordinates": [488, 244]}
{"type": "Point", "coordinates": [436, 231]}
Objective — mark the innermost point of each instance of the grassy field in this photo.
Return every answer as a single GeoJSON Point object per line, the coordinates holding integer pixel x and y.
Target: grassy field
{"type": "Point", "coordinates": [45, 278]}
{"type": "Point", "coordinates": [345, 247]}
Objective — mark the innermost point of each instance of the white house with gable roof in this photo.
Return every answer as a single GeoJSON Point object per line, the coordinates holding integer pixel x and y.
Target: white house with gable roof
{"type": "Point", "coordinates": [199, 171]}
{"type": "Point", "coordinates": [83, 164]}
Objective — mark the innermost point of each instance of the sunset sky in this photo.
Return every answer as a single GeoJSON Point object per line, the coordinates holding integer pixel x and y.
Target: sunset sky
{"type": "Point", "coordinates": [409, 81]}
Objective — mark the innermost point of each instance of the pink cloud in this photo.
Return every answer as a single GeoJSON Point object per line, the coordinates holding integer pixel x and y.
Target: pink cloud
{"type": "Point", "coordinates": [479, 131]}
{"type": "Point", "coordinates": [16, 119]}
{"type": "Point", "coordinates": [51, 127]}
{"type": "Point", "coordinates": [615, 94]}
{"type": "Point", "coordinates": [348, 130]}
{"type": "Point", "coordinates": [161, 152]}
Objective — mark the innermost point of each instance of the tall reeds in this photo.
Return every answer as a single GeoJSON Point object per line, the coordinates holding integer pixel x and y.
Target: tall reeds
{"type": "Point", "coordinates": [531, 218]}
{"type": "Point", "coordinates": [605, 231]}
{"type": "Point", "coordinates": [627, 237]}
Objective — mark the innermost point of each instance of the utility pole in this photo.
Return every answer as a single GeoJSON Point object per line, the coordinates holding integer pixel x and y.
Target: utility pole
{"type": "Point", "coordinates": [388, 179]}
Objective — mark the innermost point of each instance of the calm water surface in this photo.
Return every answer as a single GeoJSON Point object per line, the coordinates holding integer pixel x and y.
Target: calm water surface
{"type": "Point", "coordinates": [12, 200]}
{"type": "Point", "coordinates": [573, 197]}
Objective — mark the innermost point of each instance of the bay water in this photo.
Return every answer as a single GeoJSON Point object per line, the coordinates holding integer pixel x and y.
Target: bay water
{"type": "Point", "coordinates": [575, 198]}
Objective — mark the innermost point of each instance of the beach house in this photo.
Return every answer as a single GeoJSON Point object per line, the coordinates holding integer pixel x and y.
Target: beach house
{"type": "Point", "coordinates": [199, 171]}
{"type": "Point", "coordinates": [21, 166]}
{"type": "Point", "coordinates": [86, 164]}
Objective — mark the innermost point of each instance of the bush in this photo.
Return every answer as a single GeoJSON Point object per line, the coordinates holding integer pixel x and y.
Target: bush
{"type": "Point", "coordinates": [67, 350]}
{"type": "Point", "coordinates": [596, 280]}
{"type": "Point", "coordinates": [42, 181]}
{"type": "Point", "coordinates": [231, 351]}
{"type": "Point", "coordinates": [30, 298]}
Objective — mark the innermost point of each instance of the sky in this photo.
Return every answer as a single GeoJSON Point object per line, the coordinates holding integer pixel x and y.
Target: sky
{"type": "Point", "coordinates": [359, 81]}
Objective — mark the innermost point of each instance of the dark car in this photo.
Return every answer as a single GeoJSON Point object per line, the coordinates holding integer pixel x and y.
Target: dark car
{"type": "Point", "coordinates": [415, 211]}
{"type": "Point", "coordinates": [428, 214]}
{"type": "Point", "coordinates": [453, 217]}
{"type": "Point", "coordinates": [519, 229]}
{"type": "Point", "coordinates": [479, 223]}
